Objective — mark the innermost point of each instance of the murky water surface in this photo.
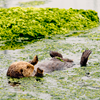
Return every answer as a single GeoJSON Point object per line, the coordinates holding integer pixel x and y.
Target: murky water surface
{"type": "Point", "coordinates": [74, 83]}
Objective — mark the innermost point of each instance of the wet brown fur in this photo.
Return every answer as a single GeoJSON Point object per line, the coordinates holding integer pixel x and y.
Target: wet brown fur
{"type": "Point", "coordinates": [20, 69]}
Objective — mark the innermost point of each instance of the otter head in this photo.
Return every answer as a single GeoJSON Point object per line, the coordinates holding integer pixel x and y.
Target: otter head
{"type": "Point", "coordinates": [22, 68]}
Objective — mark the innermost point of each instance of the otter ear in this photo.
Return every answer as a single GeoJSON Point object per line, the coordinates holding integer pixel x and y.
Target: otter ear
{"type": "Point", "coordinates": [34, 61]}
{"type": "Point", "coordinates": [39, 72]}
{"type": "Point", "coordinates": [54, 54]}
{"type": "Point", "coordinates": [84, 57]}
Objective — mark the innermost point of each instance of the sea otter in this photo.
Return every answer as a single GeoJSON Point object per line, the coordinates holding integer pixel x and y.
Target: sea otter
{"type": "Point", "coordinates": [33, 68]}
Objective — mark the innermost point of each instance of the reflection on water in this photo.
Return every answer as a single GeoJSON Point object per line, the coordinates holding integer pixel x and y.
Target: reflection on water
{"type": "Point", "coordinates": [9, 46]}
{"type": "Point", "coordinates": [5, 51]}
{"type": "Point", "coordinates": [32, 3]}
{"type": "Point", "coordinates": [14, 83]}
{"type": "Point", "coordinates": [4, 2]}
{"type": "Point", "coordinates": [15, 3]}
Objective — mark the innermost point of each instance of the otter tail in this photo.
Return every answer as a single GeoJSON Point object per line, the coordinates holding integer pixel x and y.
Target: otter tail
{"type": "Point", "coordinates": [84, 57]}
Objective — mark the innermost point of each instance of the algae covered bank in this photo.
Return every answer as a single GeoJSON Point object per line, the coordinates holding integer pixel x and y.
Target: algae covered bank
{"type": "Point", "coordinates": [33, 23]}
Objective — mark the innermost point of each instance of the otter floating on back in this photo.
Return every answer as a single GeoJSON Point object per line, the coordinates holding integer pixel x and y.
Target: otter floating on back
{"type": "Point", "coordinates": [32, 68]}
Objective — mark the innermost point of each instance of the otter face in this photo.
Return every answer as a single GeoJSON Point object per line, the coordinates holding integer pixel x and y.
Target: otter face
{"type": "Point", "coordinates": [20, 69]}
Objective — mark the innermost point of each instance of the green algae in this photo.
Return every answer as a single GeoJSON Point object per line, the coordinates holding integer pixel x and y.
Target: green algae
{"type": "Point", "coordinates": [27, 25]}
{"type": "Point", "coordinates": [73, 83]}
{"type": "Point", "coordinates": [34, 23]}
{"type": "Point", "coordinates": [59, 59]}
{"type": "Point", "coordinates": [82, 83]}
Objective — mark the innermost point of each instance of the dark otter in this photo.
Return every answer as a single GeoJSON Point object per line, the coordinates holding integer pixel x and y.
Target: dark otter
{"type": "Point", "coordinates": [31, 68]}
{"type": "Point", "coordinates": [57, 62]}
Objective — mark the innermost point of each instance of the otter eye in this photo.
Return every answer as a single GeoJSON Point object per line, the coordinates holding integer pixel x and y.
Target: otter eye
{"type": "Point", "coordinates": [21, 70]}
{"type": "Point", "coordinates": [28, 67]}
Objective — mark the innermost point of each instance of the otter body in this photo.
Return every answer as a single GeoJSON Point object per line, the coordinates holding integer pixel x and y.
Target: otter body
{"type": "Point", "coordinates": [31, 68]}
{"type": "Point", "coordinates": [53, 65]}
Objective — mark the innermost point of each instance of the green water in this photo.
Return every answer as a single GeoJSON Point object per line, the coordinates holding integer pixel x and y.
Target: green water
{"type": "Point", "coordinates": [74, 83]}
